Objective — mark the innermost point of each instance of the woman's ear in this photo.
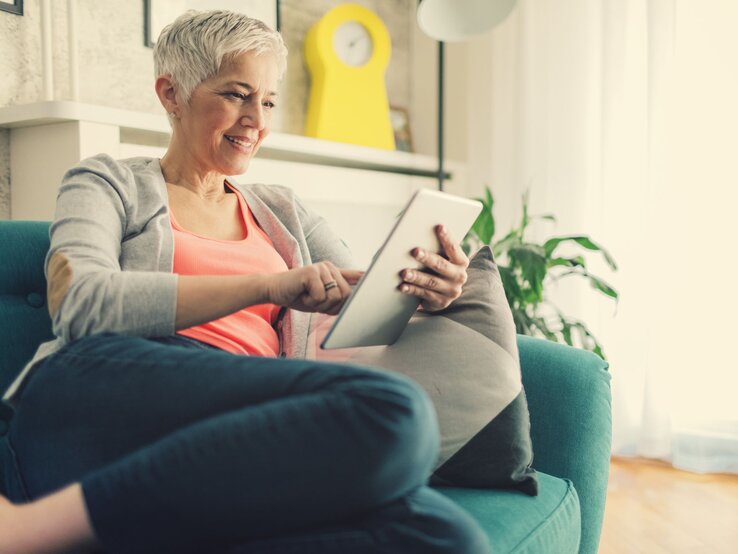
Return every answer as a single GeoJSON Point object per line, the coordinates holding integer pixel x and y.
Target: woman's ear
{"type": "Point", "coordinates": [167, 93]}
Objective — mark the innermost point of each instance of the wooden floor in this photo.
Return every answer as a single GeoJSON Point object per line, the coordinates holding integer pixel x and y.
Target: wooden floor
{"type": "Point", "coordinates": [653, 508]}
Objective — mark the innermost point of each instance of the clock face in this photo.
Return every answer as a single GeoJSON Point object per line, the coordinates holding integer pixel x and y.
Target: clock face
{"type": "Point", "coordinates": [352, 43]}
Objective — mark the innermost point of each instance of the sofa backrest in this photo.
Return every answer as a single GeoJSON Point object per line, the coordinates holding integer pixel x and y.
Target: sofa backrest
{"type": "Point", "coordinates": [24, 317]}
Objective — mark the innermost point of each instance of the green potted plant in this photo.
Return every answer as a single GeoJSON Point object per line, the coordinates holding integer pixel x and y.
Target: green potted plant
{"type": "Point", "coordinates": [527, 268]}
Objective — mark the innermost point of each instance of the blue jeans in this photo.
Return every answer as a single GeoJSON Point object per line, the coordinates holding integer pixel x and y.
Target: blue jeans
{"type": "Point", "coordinates": [182, 448]}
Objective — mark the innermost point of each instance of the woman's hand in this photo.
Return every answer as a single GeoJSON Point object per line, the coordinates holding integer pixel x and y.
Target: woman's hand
{"type": "Point", "coordinates": [440, 282]}
{"type": "Point", "coordinates": [320, 287]}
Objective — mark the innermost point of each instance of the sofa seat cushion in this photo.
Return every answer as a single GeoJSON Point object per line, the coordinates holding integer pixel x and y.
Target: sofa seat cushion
{"type": "Point", "coordinates": [514, 522]}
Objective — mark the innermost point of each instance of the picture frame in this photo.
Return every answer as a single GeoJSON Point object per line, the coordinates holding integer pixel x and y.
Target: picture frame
{"type": "Point", "coordinates": [400, 120]}
{"type": "Point", "coordinates": [15, 6]}
{"type": "Point", "coordinates": [160, 13]}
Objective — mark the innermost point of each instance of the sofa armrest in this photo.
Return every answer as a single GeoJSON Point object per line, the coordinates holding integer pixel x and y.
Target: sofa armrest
{"type": "Point", "coordinates": [569, 399]}
{"type": "Point", "coordinates": [24, 317]}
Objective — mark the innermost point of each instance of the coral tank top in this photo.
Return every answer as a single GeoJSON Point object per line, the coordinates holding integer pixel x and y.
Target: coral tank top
{"type": "Point", "coordinates": [249, 331]}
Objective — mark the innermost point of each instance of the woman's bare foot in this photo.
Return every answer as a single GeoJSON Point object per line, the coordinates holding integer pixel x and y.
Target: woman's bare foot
{"type": "Point", "coordinates": [57, 523]}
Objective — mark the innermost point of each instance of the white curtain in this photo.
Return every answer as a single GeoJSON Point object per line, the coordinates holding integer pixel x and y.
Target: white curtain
{"type": "Point", "coordinates": [621, 118]}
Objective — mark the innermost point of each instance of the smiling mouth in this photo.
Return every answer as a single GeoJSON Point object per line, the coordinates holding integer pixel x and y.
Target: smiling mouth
{"type": "Point", "coordinates": [240, 142]}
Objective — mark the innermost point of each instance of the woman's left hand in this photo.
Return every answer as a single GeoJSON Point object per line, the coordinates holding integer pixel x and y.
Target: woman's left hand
{"type": "Point", "coordinates": [440, 282]}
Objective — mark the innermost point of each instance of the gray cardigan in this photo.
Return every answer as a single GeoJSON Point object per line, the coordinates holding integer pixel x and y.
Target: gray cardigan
{"type": "Point", "coordinates": [112, 223]}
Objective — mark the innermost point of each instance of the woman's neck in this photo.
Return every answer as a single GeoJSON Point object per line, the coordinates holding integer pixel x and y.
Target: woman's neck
{"type": "Point", "coordinates": [206, 184]}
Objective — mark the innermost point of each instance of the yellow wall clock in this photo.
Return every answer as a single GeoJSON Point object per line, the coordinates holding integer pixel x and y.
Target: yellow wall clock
{"type": "Point", "coordinates": [347, 52]}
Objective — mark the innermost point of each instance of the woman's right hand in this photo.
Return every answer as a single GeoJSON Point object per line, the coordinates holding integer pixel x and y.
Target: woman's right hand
{"type": "Point", "coordinates": [320, 287]}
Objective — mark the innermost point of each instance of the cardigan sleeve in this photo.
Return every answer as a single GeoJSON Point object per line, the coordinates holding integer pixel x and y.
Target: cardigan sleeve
{"type": "Point", "coordinates": [93, 213]}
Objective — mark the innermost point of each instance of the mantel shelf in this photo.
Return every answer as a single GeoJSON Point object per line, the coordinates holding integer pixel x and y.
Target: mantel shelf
{"type": "Point", "coordinates": [279, 146]}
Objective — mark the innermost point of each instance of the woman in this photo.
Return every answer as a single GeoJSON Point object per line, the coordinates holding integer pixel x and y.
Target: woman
{"type": "Point", "coordinates": [163, 418]}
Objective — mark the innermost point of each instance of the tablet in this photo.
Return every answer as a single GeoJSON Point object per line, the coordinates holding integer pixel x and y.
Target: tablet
{"type": "Point", "coordinates": [376, 313]}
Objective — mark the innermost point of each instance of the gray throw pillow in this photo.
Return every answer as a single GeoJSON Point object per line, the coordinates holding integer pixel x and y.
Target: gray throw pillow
{"type": "Point", "coordinates": [466, 358]}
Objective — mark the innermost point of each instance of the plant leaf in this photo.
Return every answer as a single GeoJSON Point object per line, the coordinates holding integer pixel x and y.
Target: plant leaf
{"type": "Point", "coordinates": [531, 260]}
{"type": "Point", "coordinates": [583, 241]}
{"type": "Point", "coordinates": [484, 225]}
{"type": "Point", "coordinates": [566, 332]}
{"type": "Point", "coordinates": [487, 200]}
{"type": "Point", "coordinates": [542, 326]}
{"type": "Point", "coordinates": [521, 323]}
{"type": "Point", "coordinates": [511, 286]}
{"type": "Point", "coordinates": [602, 286]}
{"type": "Point", "coordinates": [526, 220]}
{"type": "Point", "coordinates": [502, 246]}
{"type": "Point", "coordinates": [576, 261]}
{"type": "Point", "coordinates": [589, 340]}
{"type": "Point", "coordinates": [547, 217]}
{"type": "Point", "coordinates": [595, 282]}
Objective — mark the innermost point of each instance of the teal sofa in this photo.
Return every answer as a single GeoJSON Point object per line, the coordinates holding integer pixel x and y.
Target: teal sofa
{"type": "Point", "coordinates": [568, 393]}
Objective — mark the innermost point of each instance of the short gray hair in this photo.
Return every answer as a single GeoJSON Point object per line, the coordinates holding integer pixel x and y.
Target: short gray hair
{"type": "Point", "coordinates": [194, 47]}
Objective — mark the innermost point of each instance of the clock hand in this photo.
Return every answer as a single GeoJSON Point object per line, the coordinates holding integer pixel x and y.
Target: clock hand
{"type": "Point", "coordinates": [357, 40]}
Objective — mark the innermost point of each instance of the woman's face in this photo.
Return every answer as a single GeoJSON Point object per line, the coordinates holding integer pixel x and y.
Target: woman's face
{"type": "Point", "coordinates": [230, 114]}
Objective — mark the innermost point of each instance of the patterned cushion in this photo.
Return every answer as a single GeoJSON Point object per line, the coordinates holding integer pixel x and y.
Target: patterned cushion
{"type": "Point", "coordinates": [466, 358]}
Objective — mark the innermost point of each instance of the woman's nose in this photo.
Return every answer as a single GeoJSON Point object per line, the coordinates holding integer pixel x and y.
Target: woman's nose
{"type": "Point", "coordinates": [254, 117]}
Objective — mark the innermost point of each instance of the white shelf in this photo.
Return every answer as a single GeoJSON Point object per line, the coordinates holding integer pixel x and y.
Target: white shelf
{"type": "Point", "coordinates": [59, 111]}
{"type": "Point", "coordinates": [277, 146]}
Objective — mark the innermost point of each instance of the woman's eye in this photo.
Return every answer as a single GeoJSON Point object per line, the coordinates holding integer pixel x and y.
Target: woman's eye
{"type": "Point", "coordinates": [268, 104]}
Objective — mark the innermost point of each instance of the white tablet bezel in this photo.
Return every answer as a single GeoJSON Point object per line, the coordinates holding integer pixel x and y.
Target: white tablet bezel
{"type": "Point", "coordinates": [376, 313]}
